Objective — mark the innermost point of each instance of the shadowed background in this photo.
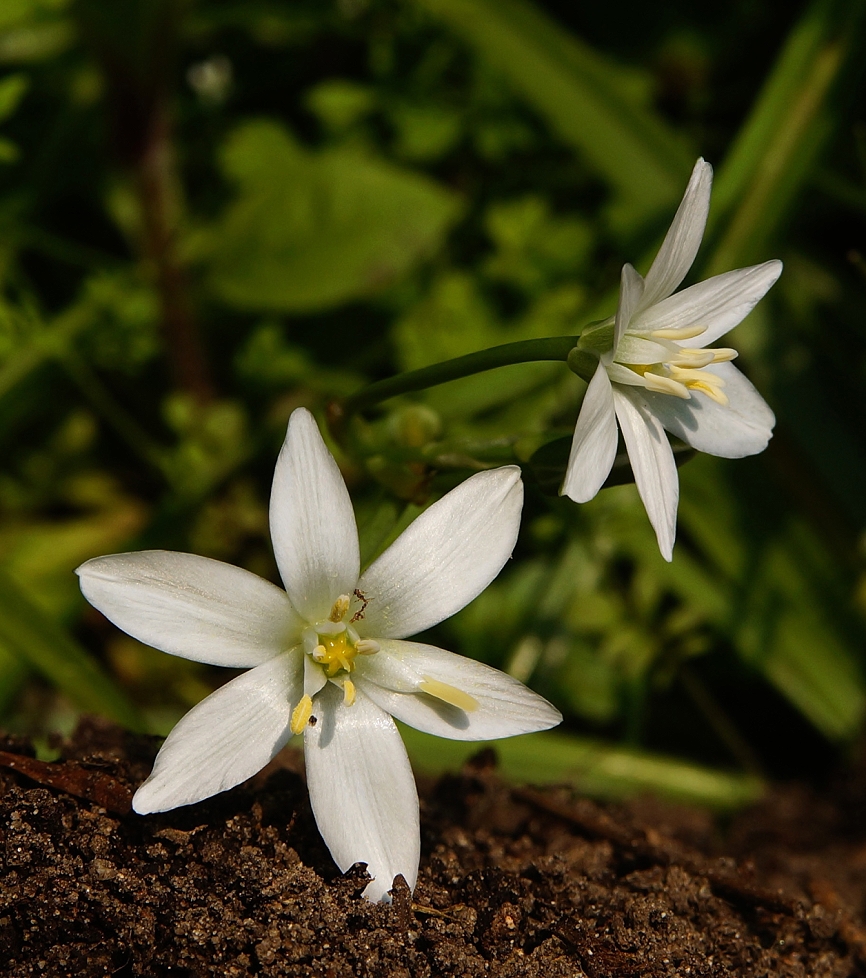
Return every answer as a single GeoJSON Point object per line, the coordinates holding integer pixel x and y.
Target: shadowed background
{"type": "Point", "coordinates": [213, 212]}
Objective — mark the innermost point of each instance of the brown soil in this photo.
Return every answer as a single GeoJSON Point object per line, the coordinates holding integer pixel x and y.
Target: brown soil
{"type": "Point", "coordinates": [514, 882]}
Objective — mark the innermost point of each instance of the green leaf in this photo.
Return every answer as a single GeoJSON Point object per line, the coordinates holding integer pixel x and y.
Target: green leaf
{"type": "Point", "coordinates": [33, 638]}
{"type": "Point", "coordinates": [789, 630]}
{"type": "Point", "coordinates": [789, 126]}
{"type": "Point", "coordinates": [340, 103]}
{"type": "Point", "coordinates": [12, 89]}
{"type": "Point", "coordinates": [9, 152]}
{"type": "Point", "coordinates": [310, 231]}
{"type": "Point", "coordinates": [587, 100]}
{"type": "Point", "coordinates": [770, 584]}
{"type": "Point", "coordinates": [591, 767]}
{"type": "Point", "coordinates": [425, 132]}
{"type": "Point", "coordinates": [453, 319]}
{"type": "Point", "coordinates": [532, 245]}
{"type": "Point", "coordinates": [43, 343]}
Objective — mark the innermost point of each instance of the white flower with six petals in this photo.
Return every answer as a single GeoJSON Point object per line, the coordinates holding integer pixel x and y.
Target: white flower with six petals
{"type": "Point", "coordinates": [655, 371]}
{"type": "Point", "coordinates": [326, 657]}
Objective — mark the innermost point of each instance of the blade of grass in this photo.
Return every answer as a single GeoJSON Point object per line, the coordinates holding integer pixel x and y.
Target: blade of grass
{"type": "Point", "coordinates": [772, 588]}
{"type": "Point", "coordinates": [776, 149]}
{"type": "Point", "coordinates": [594, 768]}
{"type": "Point", "coordinates": [585, 98]}
{"type": "Point", "coordinates": [12, 675]}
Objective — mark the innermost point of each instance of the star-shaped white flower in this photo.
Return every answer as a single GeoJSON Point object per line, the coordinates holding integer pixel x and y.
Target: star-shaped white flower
{"type": "Point", "coordinates": [655, 371]}
{"type": "Point", "coordinates": [326, 657]}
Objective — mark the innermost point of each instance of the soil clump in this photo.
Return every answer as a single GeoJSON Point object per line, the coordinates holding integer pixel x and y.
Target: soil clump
{"type": "Point", "coordinates": [514, 882]}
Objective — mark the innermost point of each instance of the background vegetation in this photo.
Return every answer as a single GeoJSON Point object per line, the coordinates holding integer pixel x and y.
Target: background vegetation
{"type": "Point", "coordinates": [212, 212]}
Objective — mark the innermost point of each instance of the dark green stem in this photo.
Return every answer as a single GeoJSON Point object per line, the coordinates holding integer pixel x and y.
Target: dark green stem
{"type": "Point", "coordinates": [523, 351]}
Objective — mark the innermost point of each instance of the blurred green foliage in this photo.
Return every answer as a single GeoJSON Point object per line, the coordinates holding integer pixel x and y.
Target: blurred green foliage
{"type": "Point", "coordinates": [213, 212]}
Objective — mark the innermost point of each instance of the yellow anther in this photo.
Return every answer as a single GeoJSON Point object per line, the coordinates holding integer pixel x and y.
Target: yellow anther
{"type": "Point", "coordinates": [448, 694]}
{"type": "Point", "coordinates": [723, 354]}
{"type": "Point", "coordinates": [664, 385]}
{"type": "Point", "coordinates": [693, 358]}
{"type": "Point", "coordinates": [678, 332]}
{"type": "Point", "coordinates": [341, 606]}
{"type": "Point", "coordinates": [683, 372]}
{"type": "Point", "coordinates": [712, 392]}
{"type": "Point", "coordinates": [301, 715]}
{"type": "Point", "coordinates": [348, 692]}
{"type": "Point", "coordinates": [702, 381]}
{"type": "Point", "coordinates": [689, 376]}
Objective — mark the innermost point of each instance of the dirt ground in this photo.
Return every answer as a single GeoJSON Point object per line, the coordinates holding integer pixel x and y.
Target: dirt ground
{"type": "Point", "coordinates": [513, 882]}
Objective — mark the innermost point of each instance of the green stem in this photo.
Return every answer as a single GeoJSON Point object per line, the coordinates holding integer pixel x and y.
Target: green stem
{"type": "Point", "coordinates": [523, 351]}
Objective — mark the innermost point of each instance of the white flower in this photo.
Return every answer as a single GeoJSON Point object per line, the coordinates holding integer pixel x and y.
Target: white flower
{"type": "Point", "coordinates": [655, 371]}
{"type": "Point", "coordinates": [326, 657]}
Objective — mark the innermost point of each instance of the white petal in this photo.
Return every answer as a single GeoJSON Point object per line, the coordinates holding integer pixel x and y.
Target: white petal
{"type": "Point", "coordinates": [362, 790]}
{"type": "Point", "coordinates": [622, 375]}
{"type": "Point", "coordinates": [643, 350]}
{"type": "Point", "coordinates": [631, 287]}
{"type": "Point", "coordinates": [593, 447]}
{"type": "Point", "coordinates": [445, 558]}
{"type": "Point", "coordinates": [194, 607]}
{"type": "Point", "coordinates": [718, 304]}
{"type": "Point", "coordinates": [505, 706]}
{"type": "Point", "coordinates": [314, 677]}
{"type": "Point", "coordinates": [226, 738]}
{"type": "Point", "coordinates": [683, 239]}
{"type": "Point", "coordinates": [312, 522]}
{"type": "Point", "coordinates": [742, 427]}
{"type": "Point", "coordinates": [652, 462]}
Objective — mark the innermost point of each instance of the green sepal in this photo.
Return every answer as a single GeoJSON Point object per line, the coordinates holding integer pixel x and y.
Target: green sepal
{"type": "Point", "coordinates": [582, 363]}
{"type": "Point", "coordinates": [597, 337]}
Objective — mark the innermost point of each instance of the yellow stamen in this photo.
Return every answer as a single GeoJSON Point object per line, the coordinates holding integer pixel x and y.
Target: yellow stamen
{"type": "Point", "coordinates": [448, 694]}
{"type": "Point", "coordinates": [301, 715]}
{"type": "Point", "coordinates": [693, 358]}
{"type": "Point", "coordinates": [341, 606]}
{"type": "Point", "coordinates": [664, 385]}
{"type": "Point", "coordinates": [689, 377]}
{"type": "Point", "coordinates": [713, 393]}
{"type": "Point", "coordinates": [723, 354]}
{"type": "Point", "coordinates": [702, 381]}
{"type": "Point", "coordinates": [348, 692]}
{"type": "Point", "coordinates": [678, 332]}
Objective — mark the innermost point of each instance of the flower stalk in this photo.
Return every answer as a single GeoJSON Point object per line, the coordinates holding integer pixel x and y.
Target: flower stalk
{"type": "Point", "coordinates": [521, 351]}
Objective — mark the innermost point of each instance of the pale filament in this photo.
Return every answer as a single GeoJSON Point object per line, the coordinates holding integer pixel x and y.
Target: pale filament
{"type": "Point", "coordinates": [683, 373]}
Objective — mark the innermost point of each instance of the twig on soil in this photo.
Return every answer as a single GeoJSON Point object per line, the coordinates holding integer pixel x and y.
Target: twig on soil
{"type": "Point", "coordinates": [68, 776]}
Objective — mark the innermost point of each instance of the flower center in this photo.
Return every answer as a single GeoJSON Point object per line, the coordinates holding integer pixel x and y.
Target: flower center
{"type": "Point", "coordinates": [679, 370]}
{"type": "Point", "coordinates": [334, 652]}
{"type": "Point", "coordinates": [333, 645]}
